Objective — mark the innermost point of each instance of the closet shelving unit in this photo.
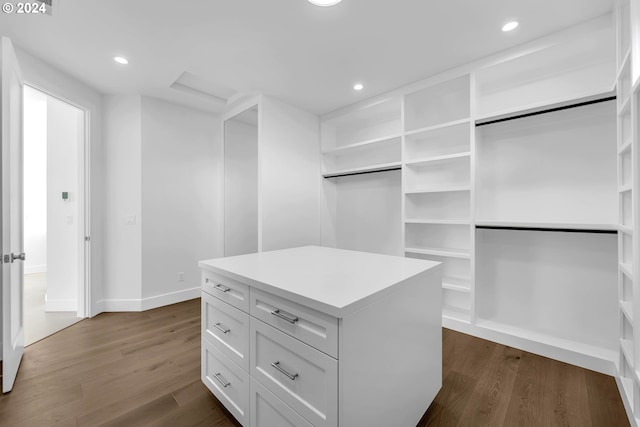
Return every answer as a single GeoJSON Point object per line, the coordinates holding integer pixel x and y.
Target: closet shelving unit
{"type": "Point", "coordinates": [509, 177]}
{"type": "Point", "coordinates": [437, 182]}
{"type": "Point", "coordinates": [627, 128]}
{"type": "Point", "coordinates": [627, 365]}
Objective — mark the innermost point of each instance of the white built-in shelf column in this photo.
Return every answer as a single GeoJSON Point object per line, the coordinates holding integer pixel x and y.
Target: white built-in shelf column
{"type": "Point", "coordinates": [437, 187]}
{"type": "Point", "coordinates": [627, 128]}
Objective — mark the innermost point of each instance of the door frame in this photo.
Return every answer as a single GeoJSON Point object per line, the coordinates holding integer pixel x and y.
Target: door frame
{"type": "Point", "coordinates": [84, 192]}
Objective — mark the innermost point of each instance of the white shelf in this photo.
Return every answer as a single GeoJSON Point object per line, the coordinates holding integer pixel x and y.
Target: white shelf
{"type": "Point", "coordinates": [627, 309]}
{"type": "Point", "coordinates": [438, 104]}
{"type": "Point", "coordinates": [624, 64]}
{"type": "Point", "coordinates": [624, 108]}
{"type": "Point", "coordinates": [551, 225]}
{"type": "Point", "coordinates": [443, 252]}
{"type": "Point", "coordinates": [546, 105]}
{"type": "Point", "coordinates": [636, 86]}
{"type": "Point", "coordinates": [440, 189]}
{"type": "Point", "coordinates": [423, 160]}
{"type": "Point", "coordinates": [363, 144]}
{"type": "Point", "coordinates": [456, 314]}
{"type": "Point", "coordinates": [625, 146]}
{"type": "Point", "coordinates": [627, 350]}
{"type": "Point", "coordinates": [363, 169]}
{"type": "Point", "coordinates": [625, 188]}
{"type": "Point", "coordinates": [456, 284]}
{"type": "Point", "coordinates": [438, 221]}
{"type": "Point", "coordinates": [627, 385]}
{"type": "Point", "coordinates": [625, 267]}
{"type": "Point", "coordinates": [436, 127]}
{"type": "Point", "coordinates": [550, 340]}
{"type": "Point", "coordinates": [625, 229]}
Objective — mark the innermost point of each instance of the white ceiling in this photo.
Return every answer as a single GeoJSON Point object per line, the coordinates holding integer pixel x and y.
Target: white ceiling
{"type": "Point", "coordinates": [305, 55]}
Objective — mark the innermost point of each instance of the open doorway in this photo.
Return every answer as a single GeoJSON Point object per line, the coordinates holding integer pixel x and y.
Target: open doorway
{"type": "Point", "coordinates": [54, 280]}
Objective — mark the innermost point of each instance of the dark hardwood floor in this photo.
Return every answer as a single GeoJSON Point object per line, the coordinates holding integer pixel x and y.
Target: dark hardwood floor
{"type": "Point", "coordinates": [139, 369]}
{"type": "Point", "coordinates": [117, 369]}
{"type": "Point", "coordinates": [489, 384]}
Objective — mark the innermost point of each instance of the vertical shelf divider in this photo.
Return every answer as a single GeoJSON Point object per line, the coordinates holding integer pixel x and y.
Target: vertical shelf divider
{"type": "Point", "coordinates": [472, 199]}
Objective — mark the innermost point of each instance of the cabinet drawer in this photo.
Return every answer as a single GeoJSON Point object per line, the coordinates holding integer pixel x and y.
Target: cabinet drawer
{"type": "Point", "coordinates": [310, 326]}
{"type": "Point", "coordinates": [227, 381]}
{"type": "Point", "coordinates": [269, 411]}
{"type": "Point", "coordinates": [228, 290]}
{"type": "Point", "coordinates": [227, 328]}
{"type": "Point", "coordinates": [301, 376]}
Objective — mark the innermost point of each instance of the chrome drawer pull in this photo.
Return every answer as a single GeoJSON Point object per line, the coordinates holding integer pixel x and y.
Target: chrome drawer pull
{"type": "Point", "coordinates": [276, 365]}
{"type": "Point", "coordinates": [221, 380]}
{"type": "Point", "coordinates": [221, 329]}
{"type": "Point", "coordinates": [222, 288]}
{"type": "Point", "coordinates": [282, 316]}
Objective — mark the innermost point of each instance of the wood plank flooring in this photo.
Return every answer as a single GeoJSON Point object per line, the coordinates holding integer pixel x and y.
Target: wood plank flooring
{"type": "Point", "coordinates": [117, 369]}
{"type": "Point", "coordinates": [143, 369]}
{"type": "Point", "coordinates": [488, 384]}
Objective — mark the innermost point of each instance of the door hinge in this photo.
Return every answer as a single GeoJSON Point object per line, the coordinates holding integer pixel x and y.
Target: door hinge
{"type": "Point", "coordinates": [87, 238]}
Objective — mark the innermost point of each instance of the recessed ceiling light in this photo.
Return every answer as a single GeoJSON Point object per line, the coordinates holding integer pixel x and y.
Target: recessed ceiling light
{"type": "Point", "coordinates": [510, 26]}
{"type": "Point", "coordinates": [325, 3]}
{"type": "Point", "coordinates": [121, 60]}
{"type": "Point", "coordinates": [358, 86]}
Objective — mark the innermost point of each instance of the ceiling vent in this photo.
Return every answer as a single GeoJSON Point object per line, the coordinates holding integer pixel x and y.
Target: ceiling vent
{"type": "Point", "coordinates": [203, 88]}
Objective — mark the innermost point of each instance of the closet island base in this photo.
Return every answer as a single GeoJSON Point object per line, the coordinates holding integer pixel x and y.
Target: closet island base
{"type": "Point", "coordinates": [322, 336]}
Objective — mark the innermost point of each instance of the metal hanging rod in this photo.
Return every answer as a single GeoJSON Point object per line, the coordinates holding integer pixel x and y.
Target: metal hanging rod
{"type": "Point", "coordinates": [556, 230]}
{"type": "Point", "coordinates": [394, 168]}
{"type": "Point", "coordinates": [549, 110]}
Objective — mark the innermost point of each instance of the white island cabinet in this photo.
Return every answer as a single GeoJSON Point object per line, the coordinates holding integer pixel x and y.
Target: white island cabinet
{"type": "Point", "coordinates": [316, 336]}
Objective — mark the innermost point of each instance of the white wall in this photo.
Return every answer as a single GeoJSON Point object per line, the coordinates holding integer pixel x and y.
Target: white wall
{"type": "Point", "coordinates": [368, 212]}
{"type": "Point", "coordinates": [55, 82]}
{"type": "Point", "coordinates": [65, 132]}
{"type": "Point", "coordinates": [290, 171]}
{"type": "Point", "coordinates": [123, 205]}
{"type": "Point", "coordinates": [241, 187]}
{"type": "Point", "coordinates": [35, 181]}
{"type": "Point", "coordinates": [181, 157]}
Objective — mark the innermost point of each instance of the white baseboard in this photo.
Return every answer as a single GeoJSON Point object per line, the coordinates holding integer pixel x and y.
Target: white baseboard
{"type": "Point", "coordinates": [115, 305]}
{"type": "Point", "coordinates": [628, 406]}
{"type": "Point", "coordinates": [170, 298]}
{"type": "Point", "coordinates": [602, 363]}
{"type": "Point", "coordinates": [33, 269]}
{"type": "Point", "coordinates": [60, 305]}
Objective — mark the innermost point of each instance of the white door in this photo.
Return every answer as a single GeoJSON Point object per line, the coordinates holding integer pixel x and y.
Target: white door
{"type": "Point", "coordinates": [12, 233]}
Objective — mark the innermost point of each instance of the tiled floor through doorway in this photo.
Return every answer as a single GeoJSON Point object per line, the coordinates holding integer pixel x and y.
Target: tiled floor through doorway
{"type": "Point", "coordinates": [38, 323]}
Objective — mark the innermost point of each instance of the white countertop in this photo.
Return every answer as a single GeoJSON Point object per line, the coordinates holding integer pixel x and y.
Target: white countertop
{"type": "Point", "coordinates": [334, 281]}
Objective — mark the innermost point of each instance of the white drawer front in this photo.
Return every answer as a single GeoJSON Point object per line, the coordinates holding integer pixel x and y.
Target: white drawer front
{"type": "Point", "coordinates": [227, 381]}
{"type": "Point", "coordinates": [303, 377]}
{"type": "Point", "coordinates": [228, 290]}
{"type": "Point", "coordinates": [310, 326]}
{"type": "Point", "coordinates": [227, 328]}
{"type": "Point", "coordinates": [269, 411]}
